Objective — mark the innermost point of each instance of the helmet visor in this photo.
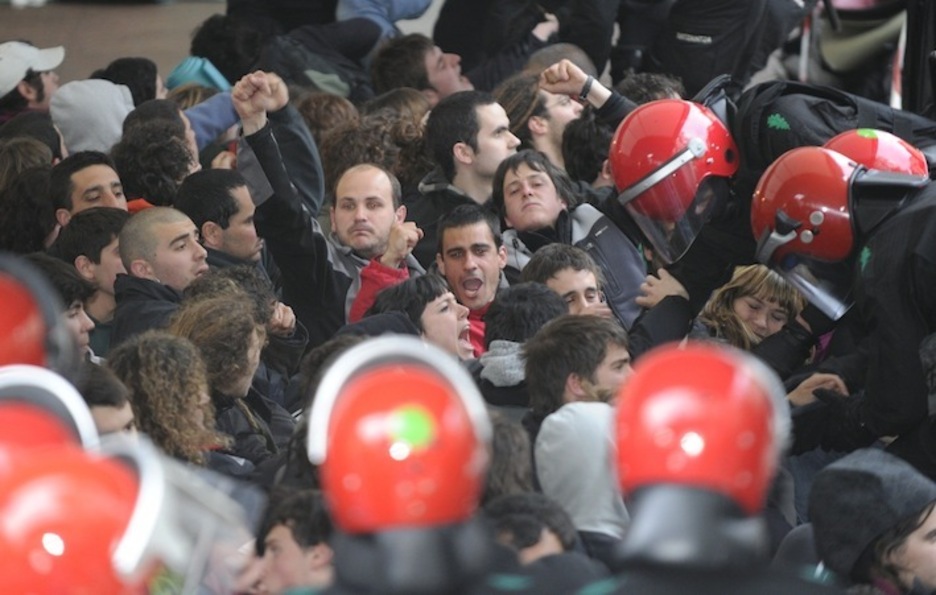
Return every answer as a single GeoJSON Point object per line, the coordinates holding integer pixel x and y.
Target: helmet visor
{"type": "Point", "coordinates": [670, 225]}
{"type": "Point", "coordinates": [185, 534]}
{"type": "Point", "coordinates": [827, 285]}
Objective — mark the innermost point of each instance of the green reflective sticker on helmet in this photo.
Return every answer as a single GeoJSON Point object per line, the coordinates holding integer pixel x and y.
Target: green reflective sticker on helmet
{"type": "Point", "coordinates": [412, 425]}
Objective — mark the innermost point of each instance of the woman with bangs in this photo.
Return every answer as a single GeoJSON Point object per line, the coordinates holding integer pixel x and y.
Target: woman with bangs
{"type": "Point", "coordinates": [755, 304]}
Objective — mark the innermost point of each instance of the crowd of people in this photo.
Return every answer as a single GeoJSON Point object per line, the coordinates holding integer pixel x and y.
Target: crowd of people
{"type": "Point", "coordinates": [331, 308]}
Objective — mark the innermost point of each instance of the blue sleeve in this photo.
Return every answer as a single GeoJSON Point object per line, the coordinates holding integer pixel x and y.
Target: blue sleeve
{"type": "Point", "coordinates": [211, 118]}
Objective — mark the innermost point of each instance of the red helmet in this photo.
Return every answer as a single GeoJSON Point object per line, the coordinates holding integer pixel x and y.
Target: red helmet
{"type": "Point", "coordinates": [877, 149]}
{"type": "Point", "coordinates": [124, 520]}
{"type": "Point", "coordinates": [801, 217]}
{"type": "Point", "coordinates": [665, 158]}
{"type": "Point", "coordinates": [401, 436]}
{"type": "Point", "coordinates": [707, 417]}
{"type": "Point", "coordinates": [68, 512]}
{"type": "Point", "coordinates": [30, 331]}
{"type": "Point", "coordinates": [40, 408]}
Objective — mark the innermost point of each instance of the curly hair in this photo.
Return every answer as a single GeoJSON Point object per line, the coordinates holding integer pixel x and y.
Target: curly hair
{"type": "Point", "coordinates": [166, 377]}
{"type": "Point", "coordinates": [325, 111]}
{"type": "Point", "coordinates": [753, 280]}
{"type": "Point", "coordinates": [152, 161]}
{"type": "Point", "coordinates": [383, 138]}
{"type": "Point", "coordinates": [406, 102]}
{"type": "Point", "coordinates": [222, 328]}
{"type": "Point", "coordinates": [244, 282]}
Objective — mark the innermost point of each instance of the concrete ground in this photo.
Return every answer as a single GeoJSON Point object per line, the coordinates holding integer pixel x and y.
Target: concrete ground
{"type": "Point", "coordinates": [95, 34]}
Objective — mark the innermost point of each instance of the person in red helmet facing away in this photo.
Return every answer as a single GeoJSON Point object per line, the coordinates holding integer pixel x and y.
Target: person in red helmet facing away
{"type": "Point", "coordinates": [852, 237]}
{"type": "Point", "coordinates": [700, 431]}
{"type": "Point", "coordinates": [401, 437]}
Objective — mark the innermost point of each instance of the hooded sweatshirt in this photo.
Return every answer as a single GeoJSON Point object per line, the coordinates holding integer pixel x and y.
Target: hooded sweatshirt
{"type": "Point", "coordinates": [575, 468]}
{"type": "Point", "coordinates": [90, 114]}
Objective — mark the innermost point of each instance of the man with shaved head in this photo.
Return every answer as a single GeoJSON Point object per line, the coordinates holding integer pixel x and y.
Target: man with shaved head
{"type": "Point", "coordinates": [159, 248]}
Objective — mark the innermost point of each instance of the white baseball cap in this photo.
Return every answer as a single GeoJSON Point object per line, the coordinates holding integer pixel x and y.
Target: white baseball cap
{"type": "Point", "coordinates": [17, 58]}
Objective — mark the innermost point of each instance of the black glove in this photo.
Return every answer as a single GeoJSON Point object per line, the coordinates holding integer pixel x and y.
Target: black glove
{"type": "Point", "coordinates": [845, 431]}
{"type": "Point", "coordinates": [831, 423]}
{"type": "Point", "coordinates": [819, 323]}
{"type": "Point", "coordinates": [786, 350]}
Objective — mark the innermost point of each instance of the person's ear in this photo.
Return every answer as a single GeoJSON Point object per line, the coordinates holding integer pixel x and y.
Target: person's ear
{"type": "Point", "coordinates": [538, 125]}
{"type": "Point", "coordinates": [575, 389]}
{"type": "Point", "coordinates": [502, 257]}
{"type": "Point", "coordinates": [85, 267]}
{"type": "Point", "coordinates": [27, 91]}
{"type": "Point", "coordinates": [401, 214]}
{"type": "Point", "coordinates": [605, 173]}
{"type": "Point", "coordinates": [463, 153]}
{"type": "Point", "coordinates": [211, 234]}
{"type": "Point", "coordinates": [320, 555]}
{"type": "Point", "coordinates": [142, 269]}
{"type": "Point", "coordinates": [63, 216]}
{"type": "Point", "coordinates": [432, 96]}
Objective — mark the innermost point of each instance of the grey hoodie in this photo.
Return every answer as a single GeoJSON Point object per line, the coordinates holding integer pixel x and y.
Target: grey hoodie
{"type": "Point", "coordinates": [574, 465]}
{"type": "Point", "coordinates": [90, 114]}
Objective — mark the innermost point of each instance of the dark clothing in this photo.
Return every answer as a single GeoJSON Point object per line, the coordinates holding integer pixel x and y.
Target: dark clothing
{"type": "Point", "coordinates": [320, 275]}
{"type": "Point", "coordinates": [453, 559]}
{"type": "Point", "coordinates": [704, 38]}
{"type": "Point", "coordinates": [587, 228]}
{"type": "Point", "coordinates": [679, 580]}
{"type": "Point", "coordinates": [300, 157]}
{"type": "Point", "coordinates": [588, 24]}
{"type": "Point", "coordinates": [142, 305]}
{"type": "Point", "coordinates": [895, 299]}
{"type": "Point", "coordinates": [282, 15]}
{"type": "Point", "coordinates": [668, 321]}
{"type": "Point", "coordinates": [435, 199]}
{"type": "Point", "coordinates": [325, 57]}
{"type": "Point", "coordinates": [259, 433]}
{"type": "Point", "coordinates": [506, 63]}
{"type": "Point", "coordinates": [281, 355]}
{"type": "Point", "coordinates": [101, 337]}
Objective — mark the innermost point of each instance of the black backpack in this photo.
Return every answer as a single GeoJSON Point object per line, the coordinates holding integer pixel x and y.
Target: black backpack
{"type": "Point", "coordinates": [300, 65]}
{"type": "Point", "coordinates": [774, 117]}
